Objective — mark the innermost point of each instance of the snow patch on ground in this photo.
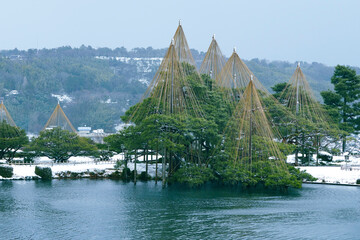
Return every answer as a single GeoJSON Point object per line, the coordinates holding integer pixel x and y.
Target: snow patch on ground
{"type": "Point", "coordinates": [121, 126]}
{"type": "Point", "coordinates": [79, 165]}
{"type": "Point", "coordinates": [333, 174]}
{"type": "Point", "coordinates": [12, 92]}
{"type": "Point", "coordinates": [62, 98]}
{"type": "Point", "coordinates": [143, 65]}
{"type": "Point", "coordinates": [144, 81]}
{"type": "Point", "coordinates": [328, 174]}
{"type": "Point", "coordinates": [108, 101]}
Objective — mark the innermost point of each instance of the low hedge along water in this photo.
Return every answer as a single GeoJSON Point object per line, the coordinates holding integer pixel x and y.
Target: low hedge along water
{"type": "Point", "coordinates": [44, 172]}
{"type": "Point", "coordinates": [6, 171]}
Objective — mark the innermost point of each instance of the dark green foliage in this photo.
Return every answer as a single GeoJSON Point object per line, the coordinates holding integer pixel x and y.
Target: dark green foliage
{"type": "Point", "coordinates": [104, 155]}
{"type": "Point", "coordinates": [115, 175]}
{"type": "Point", "coordinates": [126, 174]}
{"type": "Point", "coordinates": [29, 158]}
{"type": "Point", "coordinates": [11, 140]}
{"type": "Point", "coordinates": [278, 89]}
{"type": "Point", "coordinates": [192, 175]}
{"type": "Point", "coordinates": [343, 103]}
{"type": "Point", "coordinates": [325, 157]}
{"type": "Point", "coordinates": [301, 175]}
{"type": "Point", "coordinates": [266, 173]}
{"type": "Point", "coordinates": [44, 172]}
{"type": "Point", "coordinates": [60, 145]}
{"type": "Point", "coordinates": [191, 142]}
{"type": "Point", "coordinates": [97, 174]}
{"type": "Point", "coordinates": [6, 171]}
{"type": "Point", "coordinates": [144, 176]}
{"type": "Point", "coordinates": [358, 181]}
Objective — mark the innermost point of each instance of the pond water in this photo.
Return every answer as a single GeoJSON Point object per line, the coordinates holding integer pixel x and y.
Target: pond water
{"type": "Point", "coordinates": [105, 209]}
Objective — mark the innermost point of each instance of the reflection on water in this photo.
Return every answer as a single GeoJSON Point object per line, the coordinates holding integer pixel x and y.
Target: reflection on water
{"type": "Point", "coordinates": [90, 209]}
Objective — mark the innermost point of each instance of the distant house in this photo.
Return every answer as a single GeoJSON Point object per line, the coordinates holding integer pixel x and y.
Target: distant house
{"type": "Point", "coordinates": [97, 135]}
{"type": "Point", "coordinates": [15, 57]}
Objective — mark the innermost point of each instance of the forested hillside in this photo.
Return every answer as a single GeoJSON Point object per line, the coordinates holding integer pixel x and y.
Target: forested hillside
{"type": "Point", "coordinates": [96, 86]}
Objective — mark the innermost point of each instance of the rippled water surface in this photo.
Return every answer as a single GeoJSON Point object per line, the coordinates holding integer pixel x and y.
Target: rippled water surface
{"type": "Point", "coordinates": [89, 209]}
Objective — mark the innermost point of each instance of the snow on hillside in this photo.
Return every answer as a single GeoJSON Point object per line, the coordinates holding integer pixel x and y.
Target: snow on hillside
{"type": "Point", "coordinates": [62, 98]}
{"type": "Point", "coordinates": [144, 65]}
{"type": "Point", "coordinates": [144, 81]}
{"type": "Point", "coordinates": [12, 92]}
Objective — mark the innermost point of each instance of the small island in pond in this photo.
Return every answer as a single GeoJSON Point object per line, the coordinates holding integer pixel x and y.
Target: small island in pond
{"type": "Point", "coordinates": [218, 124]}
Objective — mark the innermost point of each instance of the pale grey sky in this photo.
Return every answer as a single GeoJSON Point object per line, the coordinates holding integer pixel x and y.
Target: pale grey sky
{"type": "Point", "coordinates": [326, 31]}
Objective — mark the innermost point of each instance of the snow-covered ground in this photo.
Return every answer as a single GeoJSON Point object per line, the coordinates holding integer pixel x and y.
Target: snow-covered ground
{"type": "Point", "coordinates": [79, 165]}
{"type": "Point", "coordinates": [328, 174]}
{"type": "Point", "coordinates": [337, 160]}
{"type": "Point", "coordinates": [333, 174]}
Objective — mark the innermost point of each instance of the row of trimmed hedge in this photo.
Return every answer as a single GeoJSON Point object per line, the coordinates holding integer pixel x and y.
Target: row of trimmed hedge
{"type": "Point", "coordinates": [44, 172]}
{"type": "Point", "coordinates": [6, 171]}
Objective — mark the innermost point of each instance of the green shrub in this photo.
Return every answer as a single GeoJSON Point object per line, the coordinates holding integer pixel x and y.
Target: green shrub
{"type": "Point", "coordinates": [105, 155]}
{"type": "Point", "coordinates": [144, 177]}
{"type": "Point", "coordinates": [126, 174]}
{"type": "Point", "coordinates": [115, 175]}
{"type": "Point", "coordinates": [301, 175]}
{"type": "Point", "coordinates": [192, 175]}
{"type": "Point", "coordinates": [74, 175]}
{"type": "Point", "coordinates": [358, 181]}
{"type": "Point", "coordinates": [6, 171]}
{"type": "Point", "coordinates": [44, 172]}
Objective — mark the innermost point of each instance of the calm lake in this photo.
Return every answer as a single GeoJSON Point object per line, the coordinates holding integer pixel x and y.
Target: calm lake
{"type": "Point", "coordinates": [105, 209]}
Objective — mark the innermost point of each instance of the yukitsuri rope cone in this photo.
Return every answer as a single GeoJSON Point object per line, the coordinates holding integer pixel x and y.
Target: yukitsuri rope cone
{"type": "Point", "coordinates": [59, 119]}
{"type": "Point", "coordinates": [248, 138]}
{"type": "Point", "coordinates": [5, 115]}
{"type": "Point", "coordinates": [214, 60]}
{"type": "Point", "coordinates": [169, 92]}
{"type": "Point", "coordinates": [300, 100]}
{"type": "Point", "coordinates": [234, 78]}
{"type": "Point", "coordinates": [182, 48]}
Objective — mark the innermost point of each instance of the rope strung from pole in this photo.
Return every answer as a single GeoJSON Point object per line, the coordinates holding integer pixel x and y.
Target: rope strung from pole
{"type": "Point", "coordinates": [59, 119]}
{"type": "Point", "coordinates": [5, 115]}
{"type": "Point", "coordinates": [214, 60]}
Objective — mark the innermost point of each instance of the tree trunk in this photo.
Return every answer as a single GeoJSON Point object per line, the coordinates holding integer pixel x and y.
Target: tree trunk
{"type": "Point", "coordinates": [317, 149]}
{"type": "Point", "coordinates": [344, 121]}
{"type": "Point", "coordinates": [147, 161]}
{"type": "Point", "coordinates": [135, 172]}
{"type": "Point", "coordinates": [163, 169]}
{"type": "Point", "coordinates": [126, 164]}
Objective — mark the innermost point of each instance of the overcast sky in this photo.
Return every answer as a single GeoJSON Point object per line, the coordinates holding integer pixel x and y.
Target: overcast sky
{"type": "Point", "coordinates": [326, 31]}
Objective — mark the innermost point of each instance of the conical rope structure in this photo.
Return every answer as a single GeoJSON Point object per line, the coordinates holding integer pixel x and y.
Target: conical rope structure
{"type": "Point", "coordinates": [169, 92]}
{"type": "Point", "coordinates": [298, 97]}
{"type": "Point", "coordinates": [234, 78]}
{"type": "Point", "coordinates": [182, 48]}
{"type": "Point", "coordinates": [9, 130]}
{"type": "Point", "coordinates": [214, 60]}
{"type": "Point", "coordinates": [59, 119]}
{"type": "Point", "coordinates": [248, 137]}
{"type": "Point", "coordinates": [5, 115]}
